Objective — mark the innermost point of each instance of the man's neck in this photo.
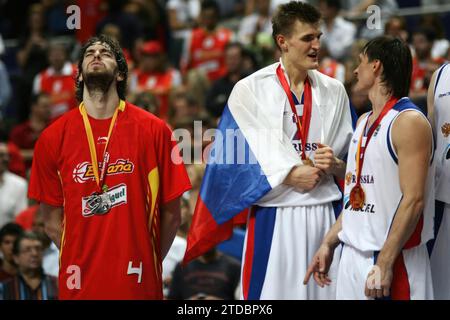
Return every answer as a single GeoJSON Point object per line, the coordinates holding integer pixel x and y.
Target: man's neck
{"type": "Point", "coordinates": [58, 69]}
{"type": "Point", "coordinates": [378, 96]}
{"type": "Point", "coordinates": [9, 268]}
{"type": "Point", "coordinates": [101, 105]}
{"type": "Point", "coordinates": [37, 124]}
{"type": "Point", "coordinates": [296, 77]}
{"type": "Point", "coordinates": [32, 278]}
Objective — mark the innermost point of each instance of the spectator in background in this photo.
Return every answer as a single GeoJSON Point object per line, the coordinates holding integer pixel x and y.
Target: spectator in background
{"type": "Point", "coordinates": [352, 62]}
{"type": "Point", "coordinates": [338, 34]}
{"type": "Point", "coordinates": [257, 24]}
{"type": "Point", "coordinates": [359, 100]}
{"type": "Point", "coordinates": [113, 31]}
{"type": "Point", "coordinates": [16, 161]}
{"type": "Point", "coordinates": [218, 94]}
{"type": "Point", "coordinates": [25, 135]}
{"type": "Point", "coordinates": [396, 27]}
{"type": "Point", "coordinates": [8, 234]}
{"type": "Point", "coordinates": [423, 65]}
{"type": "Point", "coordinates": [25, 218]}
{"type": "Point", "coordinates": [93, 13]}
{"type": "Point", "coordinates": [31, 57]}
{"type": "Point", "coordinates": [155, 76]}
{"type": "Point", "coordinates": [355, 8]}
{"type": "Point", "coordinates": [13, 189]}
{"type": "Point", "coordinates": [56, 16]}
{"type": "Point", "coordinates": [205, 46]}
{"type": "Point", "coordinates": [147, 101]}
{"type": "Point", "coordinates": [5, 88]}
{"type": "Point", "coordinates": [212, 276]}
{"type": "Point", "coordinates": [183, 16]}
{"type": "Point", "coordinates": [153, 18]}
{"type": "Point", "coordinates": [183, 105]}
{"type": "Point", "coordinates": [58, 81]}
{"type": "Point", "coordinates": [440, 44]}
{"type": "Point", "coordinates": [130, 27]}
{"type": "Point", "coordinates": [31, 283]}
{"type": "Point", "coordinates": [330, 66]}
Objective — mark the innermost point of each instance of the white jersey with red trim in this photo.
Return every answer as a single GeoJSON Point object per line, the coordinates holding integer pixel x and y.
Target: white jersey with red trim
{"type": "Point", "coordinates": [442, 123]}
{"type": "Point", "coordinates": [366, 229]}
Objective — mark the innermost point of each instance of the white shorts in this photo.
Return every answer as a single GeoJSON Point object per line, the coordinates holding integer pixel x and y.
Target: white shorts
{"type": "Point", "coordinates": [279, 245]}
{"type": "Point", "coordinates": [412, 276]}
{"type": "Point", "coordinates": [440, 256]}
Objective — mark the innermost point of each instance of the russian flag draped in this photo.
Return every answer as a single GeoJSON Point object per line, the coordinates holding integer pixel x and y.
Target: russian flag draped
{"type": "Point", "coordinates": [244, 164]}
{"type": "Point", "coordinates": [251, 155]}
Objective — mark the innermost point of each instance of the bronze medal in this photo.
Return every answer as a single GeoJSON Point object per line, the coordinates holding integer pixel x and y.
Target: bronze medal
{"type": "Point", "coordinates": [357, 197]}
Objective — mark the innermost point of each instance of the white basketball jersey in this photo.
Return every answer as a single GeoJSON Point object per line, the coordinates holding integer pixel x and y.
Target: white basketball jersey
{"type": "Point", "coordinates": [368, 228]}
{"type": "Point", "coordinates": [327, 190]}
{"type": "Point", "coordinates": [442, 133]}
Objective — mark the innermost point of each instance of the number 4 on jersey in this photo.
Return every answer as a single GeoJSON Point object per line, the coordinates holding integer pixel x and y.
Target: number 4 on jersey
{"type": "Point", "coordinates": [138, 271]}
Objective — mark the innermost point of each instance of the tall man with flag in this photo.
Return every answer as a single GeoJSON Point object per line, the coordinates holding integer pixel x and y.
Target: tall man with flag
{"type": "Point", "coordinates": [296, 125]}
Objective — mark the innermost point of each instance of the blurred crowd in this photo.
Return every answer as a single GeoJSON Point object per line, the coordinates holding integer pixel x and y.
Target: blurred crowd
{"type": "Point", "coordinates": [184, 57]}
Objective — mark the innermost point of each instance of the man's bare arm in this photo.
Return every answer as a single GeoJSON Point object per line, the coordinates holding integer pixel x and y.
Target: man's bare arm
{"type": "Point", "coordinates": [170, 221]}
{"type": "Point", "coordinates": [53, 217]}
{"type": "Point", "coordinates": [412, 157]}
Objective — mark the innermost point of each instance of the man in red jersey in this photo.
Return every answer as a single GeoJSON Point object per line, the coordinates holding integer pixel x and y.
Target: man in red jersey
{"type": "Point", "coordinates": [109, 188]}
{"type": "Point", "coordinates": [205, 46]}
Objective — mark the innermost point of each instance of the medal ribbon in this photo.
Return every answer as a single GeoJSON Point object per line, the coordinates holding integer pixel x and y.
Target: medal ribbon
{"type": "Point", "coordinates": [361, 150]}
{"type": "Point", "coordinates": [307, 106]}
{"type": "Point", "coordinates": [90, 137]}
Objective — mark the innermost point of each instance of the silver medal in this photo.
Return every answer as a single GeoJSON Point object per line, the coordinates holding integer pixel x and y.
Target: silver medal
{"type": "Point", "coordinates": [99, 203]}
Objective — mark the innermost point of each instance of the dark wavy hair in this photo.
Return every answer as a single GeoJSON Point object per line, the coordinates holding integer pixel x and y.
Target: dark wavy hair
{"type": "Point", "coordinates": [120, 59]}
{"type": "Point", "coordinates": [395, 55]}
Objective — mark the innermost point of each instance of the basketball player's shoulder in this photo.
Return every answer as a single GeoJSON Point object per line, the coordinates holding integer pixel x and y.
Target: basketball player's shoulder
{"type": "Point", "coordinates": [144, 119]}
{"type": "Point", "coordinates": [253, 82]}
{"type": "Point", "coordinates": [60, 126]}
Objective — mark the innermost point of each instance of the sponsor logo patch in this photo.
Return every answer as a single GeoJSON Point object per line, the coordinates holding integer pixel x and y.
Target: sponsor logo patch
{"type": "Point", "coordinates": [117, 195]}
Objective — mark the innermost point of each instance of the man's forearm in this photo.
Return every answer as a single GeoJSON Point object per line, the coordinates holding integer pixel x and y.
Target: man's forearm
{"type": "Point", "coordinates": [404, 224]}
{"type": "Point", "coordinates": [339, 169]}
{"type": "Point", "coordinates": [52, 222]}
{"type": "Point", "coordinates": [170, 221]}
{"type": "Point", "coordinates": [168, 232]}
{"type": "Point", "coordinates": [54, 232]}
{"type": "Point", "coordinates": [331, 239]}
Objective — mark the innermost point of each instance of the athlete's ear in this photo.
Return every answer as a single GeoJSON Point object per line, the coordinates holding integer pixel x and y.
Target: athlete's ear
{"type": "Point", "coordinates": [377, 66]}
{"type": "Point", "coordinates": [79, 77]}
{"type": "Point", "coordinates": [281, 41]}
{"type": "Point", "coordinates": [120, 77]}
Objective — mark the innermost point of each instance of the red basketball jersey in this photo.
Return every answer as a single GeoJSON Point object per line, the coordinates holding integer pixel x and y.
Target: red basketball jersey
{"type": "Point", "coordinates": [60, 87]}
{"type": "Point", "coordinates": [115, 255]}
{"type": "Point", "coordinates": [206, 51]}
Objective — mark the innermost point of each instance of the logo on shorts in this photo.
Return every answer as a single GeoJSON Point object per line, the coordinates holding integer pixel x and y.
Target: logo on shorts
{"type": "Point", "coordinates": [83, 171]}
{"type": "Point", "coordinates": [117, 195]}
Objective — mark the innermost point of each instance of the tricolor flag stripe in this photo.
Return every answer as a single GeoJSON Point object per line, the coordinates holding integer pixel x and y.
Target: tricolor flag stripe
{"type": "Point", "coordinates": [262, 242]}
